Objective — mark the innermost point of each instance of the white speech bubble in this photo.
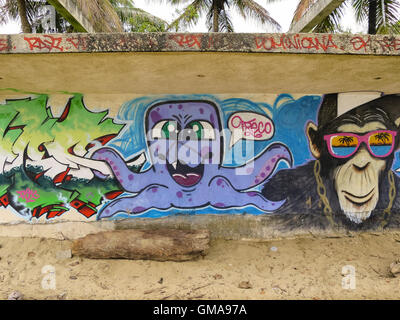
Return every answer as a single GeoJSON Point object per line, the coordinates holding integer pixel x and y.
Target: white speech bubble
{"type": "Point", "coordinates": [250, 126]}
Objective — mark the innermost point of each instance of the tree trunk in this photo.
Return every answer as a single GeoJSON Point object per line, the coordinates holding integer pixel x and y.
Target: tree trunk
{"type": "Point", "coordinates": [26, 26]}
{"type": "Point", "coordinates": [372, 8]}
{"type": "Point", "coordinates": [141, 244]}
{"type": "Point", "coordinates": [215, 17]}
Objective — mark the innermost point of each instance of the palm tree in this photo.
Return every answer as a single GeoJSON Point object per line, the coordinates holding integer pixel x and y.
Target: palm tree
{"type": "Point", "coordinates": [26, 27]}
{"type": "Point", "coordinates": [20, 9]}
{"type": "Point", "coordinates": [382, 15]}
{"type": "Point", "coordinates": [28, 12]}
{"type": "Point", "coordinates": [346, 140]}
{"type": "Point", "coordinates": [218, 15]}
{"type": "Point", "coordinates": [105, 15]}
{"type": "Point", "coordinates": [137, 20]}
{"type": "Point", "coordinates": [382, 137]}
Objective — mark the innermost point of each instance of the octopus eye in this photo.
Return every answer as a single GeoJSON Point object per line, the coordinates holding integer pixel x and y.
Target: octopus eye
{"type": "Point", "coordinates": [203, 129]}
{"type": "Point", "coordinates": [156, 132]}
{"type": "Point", "coordinates": [164, 129]}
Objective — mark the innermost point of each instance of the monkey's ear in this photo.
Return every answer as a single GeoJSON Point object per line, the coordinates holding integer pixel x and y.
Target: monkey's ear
{"type": "Point", "coordinates": [311, 131]}
{"type": "Point", "coordinates": [397, 122]}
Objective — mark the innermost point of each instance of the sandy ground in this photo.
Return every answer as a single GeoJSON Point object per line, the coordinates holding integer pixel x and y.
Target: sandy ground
{"type": "Point", "coordinates": [307, 268]}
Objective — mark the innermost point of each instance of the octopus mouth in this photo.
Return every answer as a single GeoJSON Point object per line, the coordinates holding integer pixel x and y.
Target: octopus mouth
{"type": "Point", "coordinates": [185, 175]}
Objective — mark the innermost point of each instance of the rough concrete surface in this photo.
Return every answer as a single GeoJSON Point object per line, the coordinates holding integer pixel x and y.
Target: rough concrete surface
{"type": "Point", "coordinates": [217, 42]}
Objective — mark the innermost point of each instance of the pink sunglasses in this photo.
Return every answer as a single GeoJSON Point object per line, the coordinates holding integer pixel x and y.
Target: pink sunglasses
{"type": "Point", "coordinates": [380, 143]}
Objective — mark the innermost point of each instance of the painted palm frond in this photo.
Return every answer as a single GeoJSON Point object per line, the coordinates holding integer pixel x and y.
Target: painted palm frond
{"type": "Point", "coordinates": [346, 140]}
{"type": "Point", "coordinates": [382, 137]}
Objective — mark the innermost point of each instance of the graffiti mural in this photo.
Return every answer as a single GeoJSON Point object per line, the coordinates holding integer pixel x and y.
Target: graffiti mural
{"type": "Point", "coordinates": [351, 180]}
{"type": "Point", "coordinates": [185, 140]}
{"type": "Point", "coordinates": [316, 160]}
{"type": "Point", "coordinates": [44, 171]}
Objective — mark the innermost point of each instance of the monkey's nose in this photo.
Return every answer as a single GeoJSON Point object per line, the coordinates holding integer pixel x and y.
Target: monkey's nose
{"type": "Point", "coordinates": [362, 159]}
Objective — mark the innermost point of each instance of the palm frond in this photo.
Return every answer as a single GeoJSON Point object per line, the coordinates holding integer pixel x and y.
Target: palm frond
{"type": "Point", "coordinates": [331, 23]}
{"type": "Point", "coordinates": [9, 10]}
{"type": "Point", "coordinates": [135, 19]}
{"type": "Point", "coordinates": [101, 14]}
{"type": "Point", "coordinates": [225, 22]}
{"type": "Point", "coordinates": [250, 8]}
{"type": "Point", "coordinates": [132, 18]}
{"type": "Point", "coordinates": [388, 17]}
{"type": "Point", "coordinates": [189, 15]}
{"type": "Point", "coordinates": [360, 10]}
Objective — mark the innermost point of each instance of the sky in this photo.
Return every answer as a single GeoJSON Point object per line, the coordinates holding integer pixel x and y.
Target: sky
{"type": "Point", "coordinates": [281, 11]}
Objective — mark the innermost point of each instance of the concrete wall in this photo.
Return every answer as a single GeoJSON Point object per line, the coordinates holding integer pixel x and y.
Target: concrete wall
{"type": "Point", "coordinates": [259, 136]}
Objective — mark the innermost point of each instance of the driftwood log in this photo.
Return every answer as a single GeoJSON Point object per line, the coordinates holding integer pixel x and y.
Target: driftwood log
{"type": "Point", "coordinates": [140, 244]}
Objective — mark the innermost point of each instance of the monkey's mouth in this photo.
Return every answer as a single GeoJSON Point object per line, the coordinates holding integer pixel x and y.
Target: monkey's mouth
{"type": "Point", "coordinates": [185, 175]}
{"type": "Point", "coordinates": [359, 201]}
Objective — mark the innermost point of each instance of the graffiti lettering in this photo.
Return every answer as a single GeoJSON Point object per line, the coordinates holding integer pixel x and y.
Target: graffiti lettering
{"type": "Point", "coordinates": [46, 42]}
{"type": "Point", "coordinates": [28, 195]}
{"type": "Point", "coordinates": [389, 45]}
{"type": "Point", "coordinates": [79, 43]}
{"type": "Point", "coordinates": [188, 41]}
{"type": "Point", "coordinates": [385, 44]}
{"type": "Point", "coordinates": [296, 42]}
{"type": "Point", "coordinates": [58, 187]}
{"type": "Point", "coordinates": [359, 43]}
{"type": "Point", "coordinates": [4, 45]}
{"type": "Point", "coordinates": [251, 127]}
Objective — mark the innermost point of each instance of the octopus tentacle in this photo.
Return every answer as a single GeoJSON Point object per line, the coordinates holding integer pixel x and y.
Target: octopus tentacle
{"type": "Point", "coordinates": [259, 169]}
{"type": "Point", "coordinates": [228, 197]}
{"type": "Point", "coordinates": [145, 200]}
{"type": "Point", "coordinates": [129, 180]}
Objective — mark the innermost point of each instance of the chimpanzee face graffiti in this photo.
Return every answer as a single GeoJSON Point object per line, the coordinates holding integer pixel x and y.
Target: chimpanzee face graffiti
{"type": "Point", "coordinates": [184, 136]}
{"type": "Point", "coordinates": [357, 180]}
{"type": "Point", "coordinates": [355, 151]}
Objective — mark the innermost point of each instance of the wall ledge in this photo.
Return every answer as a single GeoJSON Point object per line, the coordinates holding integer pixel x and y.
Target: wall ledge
{"type": "Point", "coordinates": [309, 43]}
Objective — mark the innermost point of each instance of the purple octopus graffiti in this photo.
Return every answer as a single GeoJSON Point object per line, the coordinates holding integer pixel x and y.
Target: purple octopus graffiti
{"type": "Point", "coordinates": [186, 143]}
